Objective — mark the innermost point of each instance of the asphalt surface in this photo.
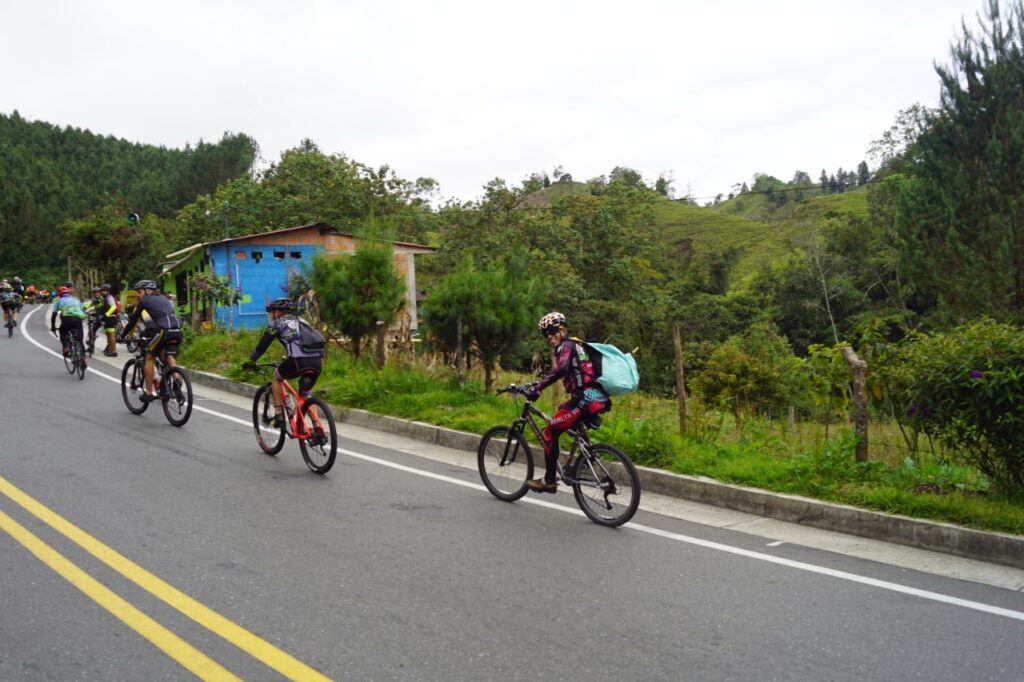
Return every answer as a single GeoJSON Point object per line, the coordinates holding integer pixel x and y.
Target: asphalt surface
{"type": "Point", "coordinates": [211, 559]}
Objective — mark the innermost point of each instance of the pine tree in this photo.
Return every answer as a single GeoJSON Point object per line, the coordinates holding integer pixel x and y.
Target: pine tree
{"type": "Point", "coordinates": [960, 222]}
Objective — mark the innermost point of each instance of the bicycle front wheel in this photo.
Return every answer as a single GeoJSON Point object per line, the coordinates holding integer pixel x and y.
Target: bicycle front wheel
{"type": "Point", "coordinates": [177, 398]}
{"type": "Point", "coordinates": [320, 446]}
{"type": "Point", "coordinates": [269, 438]}
{"type": "Point", "coordinates": [607, 487]}
{"type": "Point", "coordinates": [133, 385]}
{"type": "Point", "coordinates": [505, 462]}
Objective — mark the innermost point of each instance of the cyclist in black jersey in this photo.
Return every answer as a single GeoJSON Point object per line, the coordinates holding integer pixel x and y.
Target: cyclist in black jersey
{"type": "Point", "coordinates": [161, 332]}
{"type": "Point", "coordinates": [305, 364]}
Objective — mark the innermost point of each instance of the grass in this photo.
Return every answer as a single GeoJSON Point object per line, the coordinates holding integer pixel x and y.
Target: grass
{"type": "Point", "coordinates": [758, 453]}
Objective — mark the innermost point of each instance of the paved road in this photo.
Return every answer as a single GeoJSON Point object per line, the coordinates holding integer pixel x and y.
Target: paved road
{"type": "Point", "coordinates": [133, 550]}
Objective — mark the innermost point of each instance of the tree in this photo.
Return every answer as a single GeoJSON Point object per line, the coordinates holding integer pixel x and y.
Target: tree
{"type": "Point", "coordinates": [863, 174]}
{"type": "Point", "coordinates": [627, 176]}
{"type": "Point", "coordinates": [105, 239]}
{"type": "Point", "coordinates": [497, 307]}
{"type": "Point", "coordinates": [356, 291]}
{"type": "Point", "coordinates": [663, 185]}
{"type": "Point", "coordinates": [960, 221]}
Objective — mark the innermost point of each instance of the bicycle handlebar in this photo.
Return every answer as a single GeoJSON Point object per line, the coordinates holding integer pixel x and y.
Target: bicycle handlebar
{"type": "Point", "coordinates": [516, 388]}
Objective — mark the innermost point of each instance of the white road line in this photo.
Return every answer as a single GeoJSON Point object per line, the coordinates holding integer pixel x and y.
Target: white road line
{"type": "Point", "coordinates": [707, 544]}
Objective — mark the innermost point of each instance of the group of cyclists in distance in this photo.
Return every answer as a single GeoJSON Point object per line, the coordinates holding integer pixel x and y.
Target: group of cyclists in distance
{"type": "Point", "coordinates": [161, 333]}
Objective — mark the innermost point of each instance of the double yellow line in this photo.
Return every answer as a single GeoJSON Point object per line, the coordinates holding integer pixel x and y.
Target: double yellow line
{"type": "Point", "coordinates": [181, 651]}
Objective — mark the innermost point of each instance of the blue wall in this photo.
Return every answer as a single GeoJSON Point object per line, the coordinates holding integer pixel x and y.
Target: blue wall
{"type": "Point", "coordinates": [261, 278]}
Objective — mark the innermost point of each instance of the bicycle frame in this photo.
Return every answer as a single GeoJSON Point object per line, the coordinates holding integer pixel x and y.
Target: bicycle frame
{"type": "Point", "coordinates": [580, 440]}
{"type": "Point", "coordinates": [297, 426]}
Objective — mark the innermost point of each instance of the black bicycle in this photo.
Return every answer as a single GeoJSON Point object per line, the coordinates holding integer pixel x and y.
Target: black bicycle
{"type": "Point", "coordinates": [174, 390]}
{"type": "Point", "coordinates": [74, 359]}
{"type": "Point", "coordinates": [603, 479]}
{"type": "Point", "coordinates": [94, 325]}
{"type": "Point", "coordinates": [10, 326]}
{"type": "Point", "coordinates": [133, 341]}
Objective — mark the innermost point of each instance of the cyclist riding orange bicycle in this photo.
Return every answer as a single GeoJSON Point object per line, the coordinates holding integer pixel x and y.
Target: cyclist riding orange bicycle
{"type": "Point", "coordinates": [576, 370]}
{"type": "Point", "coordinates": [161, 334]}
{"type": "Point", "coordinates": [285, 327]}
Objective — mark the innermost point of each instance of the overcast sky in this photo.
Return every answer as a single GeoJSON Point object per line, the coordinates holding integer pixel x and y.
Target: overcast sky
{"type": "Point", "coordinates": [463, 92]}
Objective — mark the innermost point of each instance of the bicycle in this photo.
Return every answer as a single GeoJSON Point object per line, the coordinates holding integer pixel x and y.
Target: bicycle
{"type": "Point", "coordinates": [603, 479]}
{"type": "Point", "coordinates": [74, 359]}
{"type": "Point", "coordinates": [94, 322]}
{"type": "Point", "coordinates": [309, 420]}
{"type": "Point", "coordinates": [174, 389]}
{"type": "Point", "coordinates": [10, 326]}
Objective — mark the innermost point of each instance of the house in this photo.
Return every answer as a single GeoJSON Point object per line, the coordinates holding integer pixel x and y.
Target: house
{"type": "Point", "coordinates": [261, 265]}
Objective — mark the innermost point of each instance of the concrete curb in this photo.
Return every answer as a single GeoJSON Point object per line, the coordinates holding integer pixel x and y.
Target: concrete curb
{"type": "Point", "coordinates": [1000, 548]}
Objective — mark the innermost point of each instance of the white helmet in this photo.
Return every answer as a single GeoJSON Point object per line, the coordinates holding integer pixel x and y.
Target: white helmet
{"type": "Point", "coordinates": [550, 322]}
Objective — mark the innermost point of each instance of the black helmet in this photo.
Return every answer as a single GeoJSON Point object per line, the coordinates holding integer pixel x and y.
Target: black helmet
{"type": "Point", "coordinates": [144, 284]}
{"type": "Point", "coordinates": [284, 304]}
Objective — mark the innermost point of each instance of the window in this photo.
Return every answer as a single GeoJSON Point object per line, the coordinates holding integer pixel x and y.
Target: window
{"type": "Point", "coordinates": [257, 256]}
{"type": "Point", "coordinates": [296, 254]}
{"type": "Point", "coordinates": [279, 255]}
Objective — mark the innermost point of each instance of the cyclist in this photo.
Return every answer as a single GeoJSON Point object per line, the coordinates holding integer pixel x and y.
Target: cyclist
{"type": "Point", "coordinates": [110, 311]}
{"type": "Point", "coordinates": [284, 326]}
{"type": "Point", "coordinates": [11, 302]}
{"type": "Point", "coordinates": [161, 333]}
{"type": "Point", "coordinates": [576, 370]}
{"type": "Point", "coordinates": [19, 288]}
{"type": "Point", "coordinates": [71, 315]}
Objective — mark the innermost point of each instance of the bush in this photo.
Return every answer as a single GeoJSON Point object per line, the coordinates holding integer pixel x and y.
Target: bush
{"type": "Point", "coordinates": [965, 389]}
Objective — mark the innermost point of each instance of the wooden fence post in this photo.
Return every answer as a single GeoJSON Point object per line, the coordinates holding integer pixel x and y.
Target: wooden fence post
{"type": "Point", "coordinates": [460, 358]}
{"type": "Point", "coordinates": [858, 369]}
{"type": "Point", "coordinates": [381, 333]}
{"type": "Point", "coordinates": [680, 378]}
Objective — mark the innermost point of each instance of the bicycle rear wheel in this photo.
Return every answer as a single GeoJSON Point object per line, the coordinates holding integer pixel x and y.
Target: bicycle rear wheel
{"type": "Point", "coordinates": [69, 359]}
{"type": "Point", "coordinates": [505, 462]}
{"type": "Point", "coordinates": [320, 446]}
{"type": "Point", "coordinates": [10, 328]}
{"type": "Point", "coordinates": [133, 385]}
{"type": "Point", "coordinates": [79, 354]}
{"type": "Point", "coordinates": [269, 438]}
{"type": "Point", "coordinates": [177, 396]}
{"type": "Point", "coordinates": [607, 487]}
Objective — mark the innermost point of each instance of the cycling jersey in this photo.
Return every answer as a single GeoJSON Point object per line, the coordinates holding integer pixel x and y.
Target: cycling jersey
{"type": "Point", "coordinates": [576, 370]}
{"type": "Point", "coordinates": [160, 312]}
{"type": "Point", "coordinates": [9, 300]}
{"type": "Point", "coordinates": [286, 330]}
{"type": "Point", "coordinates": [67, 306]}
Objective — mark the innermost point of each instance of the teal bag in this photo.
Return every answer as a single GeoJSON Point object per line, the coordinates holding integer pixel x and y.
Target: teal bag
{"type": "Point", "coordinates": [616, 371]}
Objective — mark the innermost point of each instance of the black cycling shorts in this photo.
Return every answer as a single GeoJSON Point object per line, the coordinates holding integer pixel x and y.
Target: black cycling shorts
{"type": "Point", "coordinates": [162, 340]}
{"type": "Point", "coordinates": [307, 369]}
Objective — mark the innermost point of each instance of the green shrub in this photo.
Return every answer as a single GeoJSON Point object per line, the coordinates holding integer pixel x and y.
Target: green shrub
{"type": "Point", "coordinates": [965, 388]}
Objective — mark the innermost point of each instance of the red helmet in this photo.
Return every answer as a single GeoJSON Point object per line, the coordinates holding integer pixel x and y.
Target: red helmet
{"type": "Point", "coordinates": [62, 290]}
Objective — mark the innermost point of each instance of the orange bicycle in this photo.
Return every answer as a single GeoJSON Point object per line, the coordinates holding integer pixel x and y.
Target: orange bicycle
{"type": "Point", "coordinates": [309, 420]}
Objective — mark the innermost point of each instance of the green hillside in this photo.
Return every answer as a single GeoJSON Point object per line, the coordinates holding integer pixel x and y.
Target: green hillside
{"type": "Point", "coordinates": [692, 232]}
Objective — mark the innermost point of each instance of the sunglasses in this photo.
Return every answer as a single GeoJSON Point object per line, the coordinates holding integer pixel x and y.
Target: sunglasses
{"type": "Point", "coordinates": [550, 331]}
